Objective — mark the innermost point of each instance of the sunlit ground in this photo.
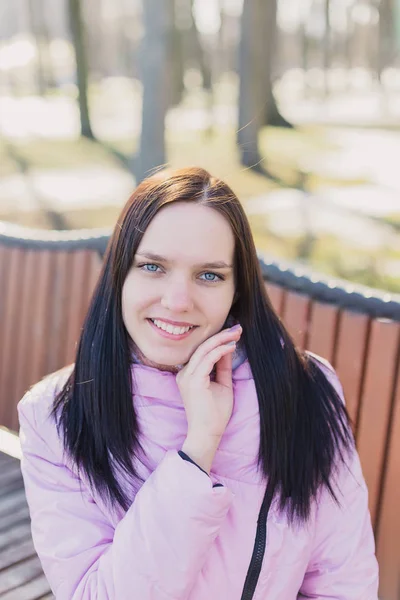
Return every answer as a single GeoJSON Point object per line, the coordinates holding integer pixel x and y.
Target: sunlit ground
{"type": "Point", "coordinates": [351, 172]}
{"type": "Point", "coordinates": [9, 443]}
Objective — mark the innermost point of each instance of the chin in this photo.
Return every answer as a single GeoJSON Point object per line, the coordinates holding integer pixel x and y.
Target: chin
{"type": "Point", "coordinates": [166, 361]}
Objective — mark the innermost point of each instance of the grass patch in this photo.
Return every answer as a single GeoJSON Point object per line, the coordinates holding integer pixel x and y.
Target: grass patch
{"type": "Point", "coordinates": [216, 151]}
{"type": "Point", "coordinates": [57, 154]}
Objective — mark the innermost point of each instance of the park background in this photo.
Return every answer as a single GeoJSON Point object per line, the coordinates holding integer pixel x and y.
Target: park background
{"type": "Point", "coordinates": [295, 103]}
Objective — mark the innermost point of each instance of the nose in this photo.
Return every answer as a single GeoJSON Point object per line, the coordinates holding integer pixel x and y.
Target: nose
{"type": "Point", "coordinates": [177, 297]}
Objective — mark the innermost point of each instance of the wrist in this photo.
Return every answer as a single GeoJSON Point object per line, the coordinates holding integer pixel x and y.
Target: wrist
{"type": "Point", "coordinates": [201, 450]}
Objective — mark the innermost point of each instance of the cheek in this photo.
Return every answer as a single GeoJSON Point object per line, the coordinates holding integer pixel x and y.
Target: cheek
{"type": "Point", "coordinates": [136, 296]}
{"type": "Point", "coordinates": [219, 304]}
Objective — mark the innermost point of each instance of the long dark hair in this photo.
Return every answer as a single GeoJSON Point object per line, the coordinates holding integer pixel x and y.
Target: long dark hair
{"type": "Point", "coordinates": [304, 426]}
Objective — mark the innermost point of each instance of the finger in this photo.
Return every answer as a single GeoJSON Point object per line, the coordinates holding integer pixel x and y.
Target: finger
{"type": "Point", "coordinates": [223, 374]}
{"type": "Point", "coordinates": [206, 366]}
{"type": "Point", "coordinates": [223, 337]}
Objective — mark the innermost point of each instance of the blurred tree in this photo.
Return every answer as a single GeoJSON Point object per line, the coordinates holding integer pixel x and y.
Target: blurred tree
{"type": "Point", "coordinates": [176, 55]}
{"type": "Point", "coordinates": [186, 50]}
{"type": "Point", "coordinates": [36, 22]}
{"type": "Point", "coordinates": [326, 46]}
{"type": "Point", "coordinates": [387, 31]}
{"type": "Point", "coordinates": [154, 58]}
{"type": "Point", "coordinates": [198, 51]}
{"type": "Point", "coordinates": [78, 37]}
{"type": "Point", "coordinates": [273, 116]}
{"type": "Point", "coordinates": [256, 50]}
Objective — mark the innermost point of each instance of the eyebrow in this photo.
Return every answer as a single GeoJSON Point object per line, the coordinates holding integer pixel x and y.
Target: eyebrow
{"type": "Point", "coordinates": [219, 264]}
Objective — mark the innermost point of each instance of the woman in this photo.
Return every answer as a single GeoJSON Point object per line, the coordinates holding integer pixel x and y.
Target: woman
{"type": "Point", "coordinates": [192, 452]}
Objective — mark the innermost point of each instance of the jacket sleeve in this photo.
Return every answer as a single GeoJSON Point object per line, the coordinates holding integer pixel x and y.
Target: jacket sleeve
{"type": "Point", "coordinates": [154, 553]}
{"type": "Point", "coordinates": [343, 565]}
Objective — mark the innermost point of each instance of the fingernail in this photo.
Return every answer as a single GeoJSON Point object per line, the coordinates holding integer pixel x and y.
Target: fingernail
{"type": "Point", "coordinates": [235, 327]}
{"type": "Point", "coordinates": [231, 344]}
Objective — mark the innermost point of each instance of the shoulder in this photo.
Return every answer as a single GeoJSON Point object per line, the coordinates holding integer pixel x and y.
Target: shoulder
{"type": "Point", "coordinates": [329, 372]}
{"type": "Point", "coordinates": [37, 403]}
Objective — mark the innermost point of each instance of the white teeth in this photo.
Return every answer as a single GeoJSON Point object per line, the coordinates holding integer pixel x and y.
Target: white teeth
{"type": "Point", "coordinates": [170, 328]}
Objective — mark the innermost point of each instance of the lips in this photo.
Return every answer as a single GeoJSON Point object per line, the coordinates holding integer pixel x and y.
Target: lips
{"type": "Point", "coordinates": [174, 323]}
{"type": "Point", "coordinates": [170, 331]}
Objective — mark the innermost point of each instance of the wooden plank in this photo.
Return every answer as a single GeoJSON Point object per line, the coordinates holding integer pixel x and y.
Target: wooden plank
{"type": "Point", "coordinates": [29, 591]}
{"type": "Point", "coordinates": [56, 339]}
{"type": "Point", "coordinates": [12, 502]}
{"type": "Point", "coordinates": [95, 266]}
{"type": "Point", "coordinates": [43, 302]}
{"type": "Point", "coordinates": [276, 295]}
{"type": "Point", "coordinates": [20, 515]}
{"type": "Point", "coordinates": [322, 329]}
{"type": "Point", "coordinates": [6, 459]}
{"type": "Point", "coordinates": [80, 270]}
{"type": "Point", "coordinates": [376, 404]}
{"type": "Point", "coordinates": [17, 554]}
{"type": "Point", "coordinates": [13, 536]}
{"type": "Point", "coordinates": [350, 356]}
{"type": "Point", "coordinates": [10, 467]}
{"type": "Point", "coordinates": [9, 358]}
{"type": "Point", "coordinates": [26, 347]}
{"type": "Point", "coordinates": [10, 487]}
{"type": "Point", "coordinates": [5, 254]}
{"type": "Point", "coordinates": [295, 317]}
{"type": "Point", "coordinates": [10, 475]}
{"type": "Point", "coordinates": [388, 534]}
{"type": "Point", "coordinates": [20, 574]}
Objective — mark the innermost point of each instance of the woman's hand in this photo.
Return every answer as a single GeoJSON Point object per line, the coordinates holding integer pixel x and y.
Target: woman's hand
{"type": "Point", "coordinates": [208, 404]}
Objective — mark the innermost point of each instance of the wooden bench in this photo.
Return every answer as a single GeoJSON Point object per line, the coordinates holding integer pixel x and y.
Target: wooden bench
{"type": "Point", "coordinates": [21, 574]}
{"type": "Point", "coordinates": [46, 281]}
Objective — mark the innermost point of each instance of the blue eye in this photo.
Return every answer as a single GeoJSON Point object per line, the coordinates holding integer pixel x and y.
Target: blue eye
{"type": "Point", "coordinates": [150, 267]}
{"type": "Point", "coordinates": [212, 277]}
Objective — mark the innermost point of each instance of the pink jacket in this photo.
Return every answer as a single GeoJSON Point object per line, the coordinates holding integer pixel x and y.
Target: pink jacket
{"type": "Point", "coordinates": [182, 538]}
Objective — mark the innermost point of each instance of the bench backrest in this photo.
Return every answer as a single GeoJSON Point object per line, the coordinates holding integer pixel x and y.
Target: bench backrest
{"type": "Point", "coordinates": [46, 286]}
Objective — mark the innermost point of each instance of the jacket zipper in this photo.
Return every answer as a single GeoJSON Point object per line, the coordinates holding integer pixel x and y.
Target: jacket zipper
{"type": "Point", "coordinates": [254, 569]}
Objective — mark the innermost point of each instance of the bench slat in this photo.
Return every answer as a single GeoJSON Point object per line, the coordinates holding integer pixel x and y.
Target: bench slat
{"type": "Point", "coordinates": [12, 312]}
{"type": "Point", "coordinates": [25, 334]}
{"type": "Point", "coordinates": [61, 280]}
{"type": "Point", "coordinates": [376, 403]}
{"type": "Point", "coordinates": [276, 295]}
{"type": "Point", "coordinates": [388, 543]}
{"type": "Point", "coordinates": [295, 316]}
{"type": "Point", "coordinates": [350, 356]}
{"type": "Point", "coordinates": [20, 574]}
{"type": "Point", "coordinates": [32, 590]}
{"type": "Point", "coordinates": [85, 272]}
{"type": "Point", "coordinates": [47, 295]}
{"type": "Point", "coordinates": [322, 330]}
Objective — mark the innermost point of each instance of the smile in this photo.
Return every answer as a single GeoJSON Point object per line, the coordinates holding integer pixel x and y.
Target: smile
{"type": "Point", "coordinates": [173, 330]}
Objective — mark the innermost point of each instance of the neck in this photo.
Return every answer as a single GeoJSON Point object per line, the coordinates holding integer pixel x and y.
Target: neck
{"type": "Point", "coordinates": [140, 358]}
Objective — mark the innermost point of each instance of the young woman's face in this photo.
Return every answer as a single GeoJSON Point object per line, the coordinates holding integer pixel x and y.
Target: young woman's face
{"type": "Point", "coordinates": [180, 288]}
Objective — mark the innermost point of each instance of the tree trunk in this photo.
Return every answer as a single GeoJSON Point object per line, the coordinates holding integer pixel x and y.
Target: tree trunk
{"type": "Point", "coordinates": [157, 16]}
{"type": "Point", "coordinates": [78, 37]}
{"type": "Point", "coordinates": [274, 117]}
{"type": "Point", "coordinates": [386, 42]}
{"type": "Point", "coordinates": [200, 54]}
{"type": "Point", "coordinates": [176, 55]}
{"type": "Point", "coordinates": [255, 60]}
{"type": "Point", "coordinates": [326, 48]}
{"type": "Point", "coordinates": [40, 63]}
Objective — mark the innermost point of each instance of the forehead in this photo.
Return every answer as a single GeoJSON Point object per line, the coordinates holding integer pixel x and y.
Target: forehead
{"type": "Point", "coordinates": [189, 230]}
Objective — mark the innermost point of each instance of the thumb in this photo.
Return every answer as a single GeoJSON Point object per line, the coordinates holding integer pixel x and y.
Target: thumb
{"type": "Point", "coordinates": [223, 370]}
